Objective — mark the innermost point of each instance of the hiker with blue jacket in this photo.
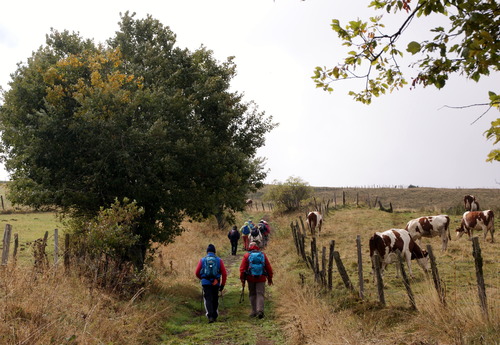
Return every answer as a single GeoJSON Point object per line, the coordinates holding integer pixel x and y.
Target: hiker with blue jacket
{"type": "Point", "coordinates": [212, 273]}
{"type": "Point", "coordinates": [245, 232]}
{"type": "Point", "coordinates": [255, 269]}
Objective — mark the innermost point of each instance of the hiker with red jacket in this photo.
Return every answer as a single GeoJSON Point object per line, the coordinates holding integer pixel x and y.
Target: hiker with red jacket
{"type": "Point", "coordinates": [234, 236]}
{"type": "Point", "coordinates": [255, 269]}
{"type": "Point", "coordinates": [212, 273]}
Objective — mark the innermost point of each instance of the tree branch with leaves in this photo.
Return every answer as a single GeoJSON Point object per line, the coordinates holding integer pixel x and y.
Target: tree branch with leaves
{"type": "Point", "coordinates": [468, 46]}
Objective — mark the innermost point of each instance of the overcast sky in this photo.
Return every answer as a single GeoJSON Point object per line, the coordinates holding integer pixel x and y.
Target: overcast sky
{"type": "Point", "coordinates": [403, 138]}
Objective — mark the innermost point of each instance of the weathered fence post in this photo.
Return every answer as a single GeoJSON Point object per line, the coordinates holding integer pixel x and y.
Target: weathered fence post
{"type": "Point", "coordinates": [342, 271]}
{"type": "Point", "coordinates": [6, 243]}
{"type": "Point", "coordinates": [56, 246]}
{"type": "Point", "coordinates": [406, 281]}
{"type": "Point", "coordinates": [3, 206]}
{"type": "Point", "coordinates": [16, 245]}
{"type": "Point", "coordinates": [435, 276]}
{"type": "Point", "coordinates": [330, 265]}
{"type": "Point", "coordinates": [343, 198]}
{"type": "Point", "coordinates": [66, 253]}
{"type": "Point", "coordinates": [360, 267]}
{"type": "Point", "coordinates": [323, 267]}
{"type": "Point", "coordinates": [378, 275]}
{"type": "Point", "coordinates": [478, 259]}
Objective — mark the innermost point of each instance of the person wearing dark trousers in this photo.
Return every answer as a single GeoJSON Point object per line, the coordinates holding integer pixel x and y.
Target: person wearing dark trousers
{"type": "Point", "coordinates": [234, 236]}
{"type": "Point", "coordinates": [212, 273]}
{"type": "Point", "coordinates": [255, 269]}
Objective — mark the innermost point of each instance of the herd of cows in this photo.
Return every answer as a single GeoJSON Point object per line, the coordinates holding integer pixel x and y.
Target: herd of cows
{"type": "Point", "coordinates": [405, 240]}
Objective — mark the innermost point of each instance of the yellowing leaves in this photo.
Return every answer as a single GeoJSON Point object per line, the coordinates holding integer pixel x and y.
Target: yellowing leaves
{"type": "Point", "coordinates": [94, 80]}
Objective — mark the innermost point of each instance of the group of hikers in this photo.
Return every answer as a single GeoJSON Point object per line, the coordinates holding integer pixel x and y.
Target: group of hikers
{"type": "Point", "coordinates": [255, 269]}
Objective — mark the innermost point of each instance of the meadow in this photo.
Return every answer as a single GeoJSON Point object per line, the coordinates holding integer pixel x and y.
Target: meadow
{"type": "Point", "coordinates": [52, 306]}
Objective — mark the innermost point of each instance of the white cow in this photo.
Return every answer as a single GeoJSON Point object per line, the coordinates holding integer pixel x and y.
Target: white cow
{"type": "Point", "coordinates": [477, 220]}
{"type": "Point", "coordinates": [430, 226]}
{"type": "Point", "coordinates": [314, 219]}
{"type": "Point", "coordinates": [386, 243]}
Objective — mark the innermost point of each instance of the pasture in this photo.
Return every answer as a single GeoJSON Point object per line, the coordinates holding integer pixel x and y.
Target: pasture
{"type": "Point", "coordinates": [300, 311]}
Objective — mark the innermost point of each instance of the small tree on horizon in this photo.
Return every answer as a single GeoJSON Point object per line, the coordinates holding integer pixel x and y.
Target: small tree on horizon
{"type": "Point", "coordinates": [288, 196]}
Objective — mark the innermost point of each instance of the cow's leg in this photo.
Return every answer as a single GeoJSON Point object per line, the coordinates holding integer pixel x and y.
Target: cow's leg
{"type": "Point", "coordinates": [408, 263]}
{"type": "Point", "coordinates": [444, 240]}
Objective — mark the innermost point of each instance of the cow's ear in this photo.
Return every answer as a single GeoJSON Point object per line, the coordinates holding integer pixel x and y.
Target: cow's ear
{"type": "Point", "coordinates": [424, 252]}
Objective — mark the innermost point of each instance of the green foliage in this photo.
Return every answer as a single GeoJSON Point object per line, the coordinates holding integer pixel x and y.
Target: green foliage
{"type": "Point", "coordinates": [469, 46]}
{"type": "Point", "coordinates": [85, 124]}
{"type": "Point", "coordinates": [289, 196]}
{"type": "Point", "coordinates": [111, 233]}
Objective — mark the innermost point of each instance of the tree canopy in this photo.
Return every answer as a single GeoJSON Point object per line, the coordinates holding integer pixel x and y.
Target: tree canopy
{"type": "Point", "coordinates": [468, 46]}
{"type": "Point", "coordinates": [85, 124]}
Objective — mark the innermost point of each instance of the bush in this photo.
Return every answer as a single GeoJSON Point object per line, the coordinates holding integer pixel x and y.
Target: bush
{"type": "Point", "coordinates": [103, 246]}
{"type": "Point", "coordinates": [289, 196]}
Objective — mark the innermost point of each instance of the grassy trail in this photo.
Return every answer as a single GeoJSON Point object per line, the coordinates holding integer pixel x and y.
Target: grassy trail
{"type": "Point", "coordinates": [189, 324]}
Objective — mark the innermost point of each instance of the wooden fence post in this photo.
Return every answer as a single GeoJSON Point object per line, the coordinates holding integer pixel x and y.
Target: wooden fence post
{"type": "Point", "coordinates": [6, 244]}
{"type": "Point", "coordinates": [66, 253]}
{"type": "Point", "coordinates": [406, 281]}
{"type": "Point", "coordinates": [478, 259]}
{"type": "Point", "coordinates": [3, 205]}
{"type": "Point", "coordinates": [56, 246]}
{"type": "Point", "coordinates": [435, 276]}
{"type": "Point", "coordinates": [378, 275]}
{"type": "Point", "coordinates": [342, 271]}
{"type": "Point", "coordinates": [16, 245]}
{"type": "Point", "coordinates": [330, 265]}
{"type": "Point", "coordinates": [323, 267]}
{"type": "Point", "coordinates": [360, 267]}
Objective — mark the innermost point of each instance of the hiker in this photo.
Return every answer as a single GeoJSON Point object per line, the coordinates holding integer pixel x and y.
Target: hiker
{"type": "Point", "coordinates": [234, 236]}
{"type": "Point", "coordinates": [256, 237]}
{"type": "Point", "coordinates": [245, 232]}
{"type": "Point", "coordinates": [256, 269]}
{"type": "Point", "coordinates": [265, 231]}
{"type": "Point", "coordinates": [213, 275]}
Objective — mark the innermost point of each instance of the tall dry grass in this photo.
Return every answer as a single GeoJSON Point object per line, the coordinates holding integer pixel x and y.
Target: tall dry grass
{"type": "Point", "coordinates": [48, 307]}
{"type": "Point", "coordinates": [311, 315]}
{"type": "Point", "coordinates": [51, 307]}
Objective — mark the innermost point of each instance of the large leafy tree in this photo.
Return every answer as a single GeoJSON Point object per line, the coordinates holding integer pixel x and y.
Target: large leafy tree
{"type": "Point", "coordinates": [139, 118]}
{"type": "Point", "coordinates": [467, 45]}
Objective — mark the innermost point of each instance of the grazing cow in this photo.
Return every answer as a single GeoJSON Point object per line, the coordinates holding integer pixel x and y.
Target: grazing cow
{"type": "Point", "coordinates": [430, 226]}
{"type": "Point", "coordinates": [314, 219]}
{"type": "Point", "coordinates": [471, 203]}
{"type": "Point", "coordinates": [477, 220]}
{"type": "Point", "coordinates": [249, 202]}
{"type": "Point", "coordinates": [386, 243]}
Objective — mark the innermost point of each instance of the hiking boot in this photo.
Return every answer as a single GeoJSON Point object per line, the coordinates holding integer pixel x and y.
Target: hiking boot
{"type": "Point", "coordinates": [253, 315]}
{"type": "Point", "coordinates": [211, 320]}
{"type": "Point", "coordinates": [260, 314]}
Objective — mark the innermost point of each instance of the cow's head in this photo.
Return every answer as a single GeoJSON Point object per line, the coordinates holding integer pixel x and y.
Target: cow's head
{"type": "Point", "coordinates": [424, 261]}
{"type": "Point", "coordinates": [460, 231]}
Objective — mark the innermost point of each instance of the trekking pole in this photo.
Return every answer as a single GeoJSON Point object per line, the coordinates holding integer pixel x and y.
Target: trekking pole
{"type": "Point", "coordinates": [242, 296]}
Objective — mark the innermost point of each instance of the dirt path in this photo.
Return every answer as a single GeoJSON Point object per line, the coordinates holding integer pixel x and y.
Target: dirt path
{"type": "Point", "coordinates": [234, 326]}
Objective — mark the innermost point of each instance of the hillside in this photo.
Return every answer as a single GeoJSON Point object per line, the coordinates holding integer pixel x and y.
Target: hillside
{"type": "Point", "coordinates": [435, 200]}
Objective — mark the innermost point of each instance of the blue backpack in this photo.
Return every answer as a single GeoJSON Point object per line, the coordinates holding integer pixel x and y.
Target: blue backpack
{"type": "Point", "coordinates": [256, 264]}
{"type": "Point", "coordinates": [245, 230]}
{"type": "Point", "coordinates": [210, 268]}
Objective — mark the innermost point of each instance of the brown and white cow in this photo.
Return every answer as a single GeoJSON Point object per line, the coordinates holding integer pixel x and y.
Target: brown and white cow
{"type": "Point", "coordinates": [430, 226]}
{"type": "Point", "coordinates": [477, 220]}
{"type": "Point", "coordinates": [314, 220]}
{"type": "Point", "coordinates": [386, 243]}
{"type": "Point", "coordinates": [471, 203]}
